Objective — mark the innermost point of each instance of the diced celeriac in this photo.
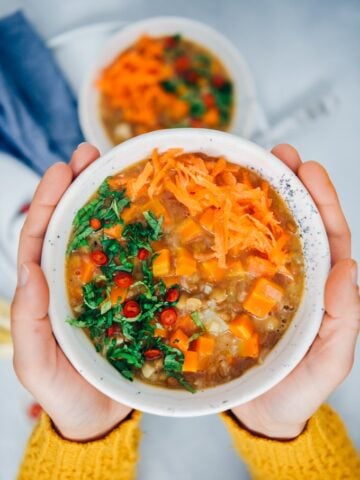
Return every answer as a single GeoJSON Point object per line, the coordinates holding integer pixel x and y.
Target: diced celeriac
{"type": "Point", "coordinates": [213, 322]}
{"type": "Point", "coordinates": [193, 304]}
{"type": "Point", "coordinates": [122, 130]}
{"type": "Point", "coordinates": [147, 370]}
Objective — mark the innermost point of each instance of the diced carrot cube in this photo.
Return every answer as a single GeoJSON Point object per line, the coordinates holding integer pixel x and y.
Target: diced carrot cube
{"type": "Point", "coordinates": [191, 362]}
{"type": "Point", "coordinates": [160, 332]}
{"type": "Point", "coordinates": [187, 324]}
{"type": "Point", "coordinates": [87, 269]}
{"type": "Point", "coordinates": [272, 290]}
{"type": "Point", "coordinates": [170, 281]}
{"type": "Point", "coordinates": [185, 264]}
{"type": "Point", "coordinates": [161, 264]}
{"type": "Point", "coordinates": [204, 345]}
{"type": "Point", "coordinates": [251, 347]}
{"type": "Point", "coordinates": [207, 219]}
{"type": "Point", "coordinates": [211, 117]}
{"type": "Point", "coordinates": [118, 294]}
{"type": "Point", "coordinates": [263, 297]}
{"type": "Point", "coordinates": [260, 266]}
{"type": "Point", "coordinates": [179, 340]}
{"type": "Point", "coordinates": [242, 327]}
{"type": "Point", "coordinates": [130, 213]}
{"type": "Point", "coordinates": [189, 230]}
{"type": "Point", "coordinates": [235, 268]}
{"type": "Point", "coordinates": [258, 305]}
{"type": "Point", "coordinates": [114, 231]}
{"type": "Point", "coordinates": [211, 271]}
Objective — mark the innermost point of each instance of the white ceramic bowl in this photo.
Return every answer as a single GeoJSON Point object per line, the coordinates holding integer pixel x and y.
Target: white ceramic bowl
{"type": "Point", "coordinates": [244, 90]}
{"type": "Point", "coordinates": [288, 351]}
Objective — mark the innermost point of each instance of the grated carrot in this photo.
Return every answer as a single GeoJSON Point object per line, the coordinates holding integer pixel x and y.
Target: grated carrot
{"type": "Point", "coordinates": [137, 184]}
{"type": "Point", "coordinates": [222, 198]}
{"type": "Point", "coordinates": [132, 83]}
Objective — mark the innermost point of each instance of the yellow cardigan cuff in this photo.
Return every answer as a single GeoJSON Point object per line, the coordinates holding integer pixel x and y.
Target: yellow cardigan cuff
{"type": "Point", "coordinates": [322, 452]}
{"type": "Point", "coordinates": [50, 457]}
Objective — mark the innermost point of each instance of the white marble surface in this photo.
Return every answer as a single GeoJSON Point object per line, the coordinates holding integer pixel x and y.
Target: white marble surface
{"type": "Point", "coordinates": [290, 47]}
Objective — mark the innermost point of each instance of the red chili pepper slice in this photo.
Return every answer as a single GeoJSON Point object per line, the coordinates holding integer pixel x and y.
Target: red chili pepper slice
{"type": "Point", "coordinates": [124, 279]}
{"type": "Point", "coordinates": [99, 257]}
{"type": "Point", "coordinates": [168, 317]}
{"type": "Point", "coordinates": [170, 42]}
{"type": "Point", "coordinates": [95, 223]}
{"type": "Point", "coordinates": [110, 332]}
{"type": "Point", "coordinates": [131, 309]}
{"type": "Point", "coordinates": [143, 254]}
{"type": "Point", "coordinates": [172, 295]}
{"type": "Point", "coordinates": [209, 100]}
{"type": "Point", "coordinates": [152, 354]}
{"type": "Point", "coordinates": [191, 76]}
{"type": "Point", "coordinates": [218, 81]}
{"type": "Point", "coordinates": [113, 330]}
{"type": "Point", "coordinates": [182, 63]}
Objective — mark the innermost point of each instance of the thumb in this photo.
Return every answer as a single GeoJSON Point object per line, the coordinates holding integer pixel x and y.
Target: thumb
{"type": "Point", "coordinates": [340, 328]}
{"type": "Point", "coordinates": [34, 344]}
{"type": "Point", "coordinates": [342, 300]}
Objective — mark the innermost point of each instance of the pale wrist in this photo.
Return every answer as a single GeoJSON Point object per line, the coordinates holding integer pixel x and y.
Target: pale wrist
{"type": "Point", "coordinates": [275, 430]}
{"type": "Point", "coordinates": [90, 431]}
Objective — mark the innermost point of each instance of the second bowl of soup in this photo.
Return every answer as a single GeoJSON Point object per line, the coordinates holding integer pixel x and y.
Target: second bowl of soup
{"type": "Point", "coordinates": [165, 72]}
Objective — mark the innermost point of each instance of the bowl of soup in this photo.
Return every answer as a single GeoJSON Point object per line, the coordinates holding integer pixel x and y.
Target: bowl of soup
{"type": "Point", "coordinates": [186, 270]}
{"type": "Point", "coordinates": [165, 72]}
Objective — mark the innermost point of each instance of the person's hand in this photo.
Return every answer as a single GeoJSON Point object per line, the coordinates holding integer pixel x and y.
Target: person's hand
{"type": "Point", "coordinates": [283, 411]}
{"type": "Point", "coordinates": [77, 409]}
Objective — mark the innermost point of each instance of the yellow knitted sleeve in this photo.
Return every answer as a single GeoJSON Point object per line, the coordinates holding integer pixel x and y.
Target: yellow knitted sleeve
{"type": "Point", "coordinates": [322, 452]}
{"type": "Point", "coordinates": [50, 457]}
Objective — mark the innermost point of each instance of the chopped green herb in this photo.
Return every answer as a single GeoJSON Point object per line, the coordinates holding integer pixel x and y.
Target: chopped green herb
{"type": "Point", "coordinates": [107, 207]}
{"type": "Point", "coordinates": [155, 224]}
{"type": "Point", "coordinates": [97, 312]}
{"type": "Point", "coordinates": [92, 295]}
{"type": "Point", "coordinates": [105, 307]}
{"type": "Point", "coordinates": [139, 235]}
{"type": "Point", "coordinates": [170, 85]}
{"type": "Point", "coordinates": [196, 318]}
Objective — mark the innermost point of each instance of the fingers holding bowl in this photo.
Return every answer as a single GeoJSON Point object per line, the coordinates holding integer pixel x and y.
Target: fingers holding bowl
{"type": "Point", "coordinates": [288, 155]}
{"type": "Point", "coordinates": [317, 181]}
{"type": "Point", "coordinates": [342, 299]}
{"type": "Point", "coordinates": [34, 344]}
{"type": "Point", "coordinates": [53, 185]}
{"type": "Point", "coordinates": [82, 157]}
{"type": "Point", "coordinates": [334, 349]}
{"type": "Point", "coordinates": [47, 195]}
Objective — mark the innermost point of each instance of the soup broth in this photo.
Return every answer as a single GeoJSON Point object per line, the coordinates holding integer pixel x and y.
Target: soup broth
{"type": "Point", "coordinates": [184, 269]}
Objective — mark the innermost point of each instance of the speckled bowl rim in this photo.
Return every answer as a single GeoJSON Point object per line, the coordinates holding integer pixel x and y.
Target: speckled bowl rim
{"type": "Point", "coordinates": [287, 353]}
{"type": "Point", "coordinates": [245, 103]}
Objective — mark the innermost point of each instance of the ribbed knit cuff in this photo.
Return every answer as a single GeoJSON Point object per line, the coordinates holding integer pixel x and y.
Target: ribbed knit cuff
{"type": "Point", "coordinates": [323, 451]}
{"type": "Point", "coordinates": [50, 457]}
